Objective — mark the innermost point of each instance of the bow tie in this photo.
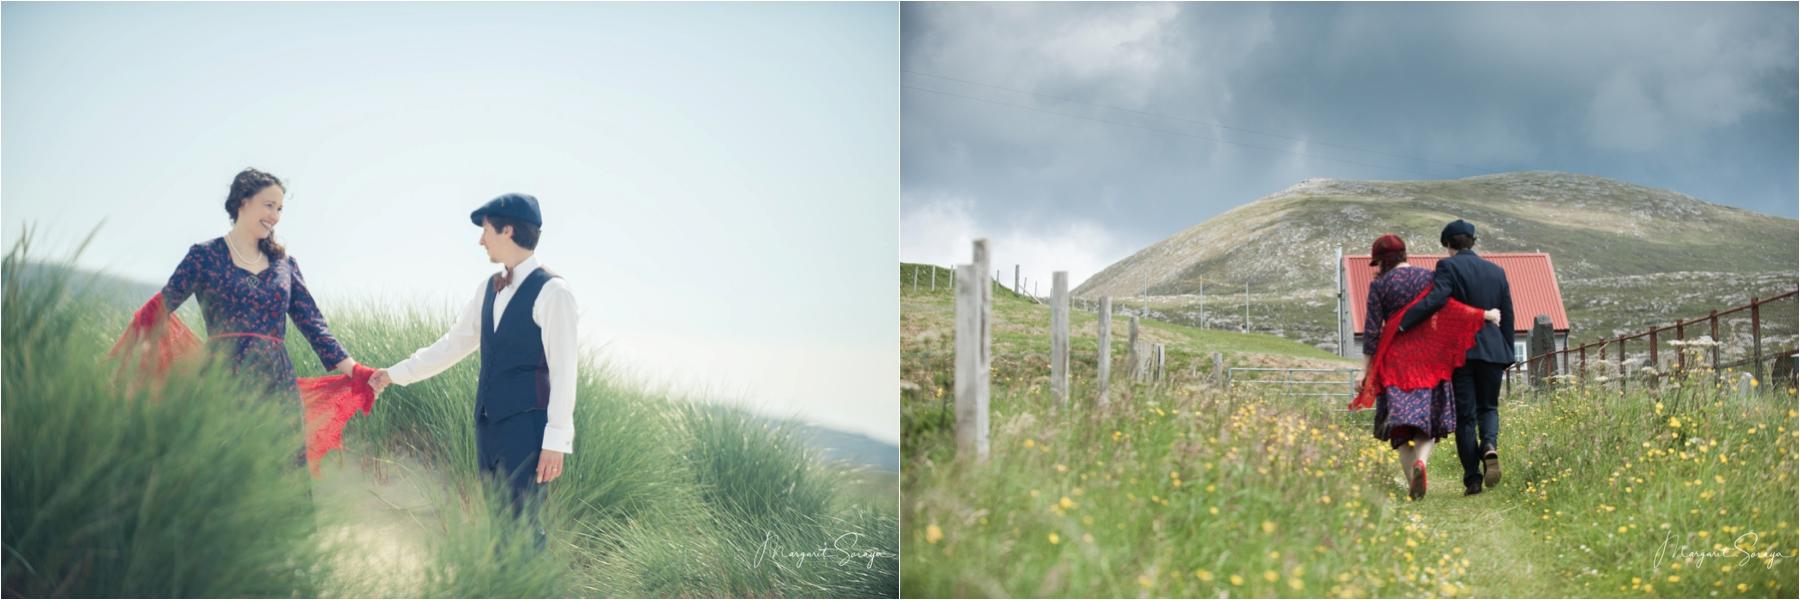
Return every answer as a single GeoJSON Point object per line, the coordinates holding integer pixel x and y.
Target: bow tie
{"type": "Point", "coordinates": [501, 280]}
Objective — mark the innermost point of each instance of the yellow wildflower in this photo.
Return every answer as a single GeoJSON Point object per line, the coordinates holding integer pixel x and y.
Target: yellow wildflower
{"type": "Point", "coordinates": [933, 534]}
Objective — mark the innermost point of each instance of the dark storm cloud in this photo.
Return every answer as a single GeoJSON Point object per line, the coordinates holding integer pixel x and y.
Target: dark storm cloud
{"type": "Point", "coordinates": [1698, 98]}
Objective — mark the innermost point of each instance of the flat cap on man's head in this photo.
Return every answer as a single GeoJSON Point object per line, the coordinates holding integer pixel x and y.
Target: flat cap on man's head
{"type": "Point", "coordinates": [1456, 227]}
{"type": "Point", "coordinates": [519, 207]}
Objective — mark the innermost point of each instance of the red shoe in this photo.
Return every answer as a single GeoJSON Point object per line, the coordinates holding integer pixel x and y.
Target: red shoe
{"type": "Point", "coordinates": [1418, 480]}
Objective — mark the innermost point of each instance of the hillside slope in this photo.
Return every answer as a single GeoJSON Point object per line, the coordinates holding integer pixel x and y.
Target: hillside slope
{"type": "Point", "coordinates": [1617, 245]}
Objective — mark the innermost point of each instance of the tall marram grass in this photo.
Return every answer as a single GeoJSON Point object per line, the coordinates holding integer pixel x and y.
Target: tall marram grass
{"type": "Point", "coordinates": [663, 495]}
{"type": "Point", "coordinates": [110, 492]}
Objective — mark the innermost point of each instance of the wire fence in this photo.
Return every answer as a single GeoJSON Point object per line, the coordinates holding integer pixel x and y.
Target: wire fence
{"type": "Point", "coordinates": [1720, 342]}
{"type": "Point", "coordinates": [1694, 345]}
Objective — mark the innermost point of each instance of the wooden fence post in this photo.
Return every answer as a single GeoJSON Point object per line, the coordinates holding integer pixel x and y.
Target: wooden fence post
{"type": "Point", "coordinates": [1756, 338]}
{"type": "Point", "coordinates": [934, 278]}
{"type": "Point", "coordinates": [1541, 344]}
{"type": "Point", "coordinates": [1714, 317]}
{"type": "Point", "coordinates": [1581, 375]}
{"type": "Point", "coordinates": [1105, 364]}
{"type": "Point", "coordinates": [1161, 362]}
{"type": "Point", "coordinates": [1136, 358]}
{"type": "Point", "coordinates": [1681, 355]}
{"type": "Point", "coordinates": [1622, 376]}
{"type": "Point", "coordinates": [973, 306]}
{"type": "Point", "coordinates": [1059, 338]}
{"type": "Point", "coordinates": [1656, 377]}
{"type": "Point", "coordinates": [915, 283]}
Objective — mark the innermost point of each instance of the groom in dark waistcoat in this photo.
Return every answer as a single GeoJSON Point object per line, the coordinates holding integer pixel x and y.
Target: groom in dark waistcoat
{"type": "Point", "coordinates": [523, 320]}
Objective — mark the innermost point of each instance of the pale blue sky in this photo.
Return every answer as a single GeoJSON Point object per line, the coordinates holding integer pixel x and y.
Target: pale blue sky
{"type": "Point", "coordinates": [718, 180]}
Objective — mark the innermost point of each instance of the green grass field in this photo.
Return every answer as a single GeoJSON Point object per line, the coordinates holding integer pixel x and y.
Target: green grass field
{"type": "Point", "coordinates": [1189, 489]}
{"type": "Point", "coordinates": [1237, 494]}
{"type": "Point", "coordinates": [186, 489]}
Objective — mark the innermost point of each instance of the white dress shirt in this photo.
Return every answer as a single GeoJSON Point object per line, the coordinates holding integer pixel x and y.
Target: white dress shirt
{"type": "Point", "coordinates": [554, 312]}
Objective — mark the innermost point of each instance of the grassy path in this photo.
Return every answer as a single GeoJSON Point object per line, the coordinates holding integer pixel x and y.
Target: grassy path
{"type": "Point", "coordinates": [1507, 560]}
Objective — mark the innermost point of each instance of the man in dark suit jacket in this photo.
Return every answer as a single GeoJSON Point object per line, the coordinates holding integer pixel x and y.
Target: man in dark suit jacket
{"type": "Point", "coordinates": [1476, 282]}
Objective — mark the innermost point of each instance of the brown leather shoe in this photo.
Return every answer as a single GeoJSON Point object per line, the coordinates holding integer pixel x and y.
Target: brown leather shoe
{"type": "Point", "coordinates": [1490, 467]}
{"type": "Point", "coordinates": [1417, 490]}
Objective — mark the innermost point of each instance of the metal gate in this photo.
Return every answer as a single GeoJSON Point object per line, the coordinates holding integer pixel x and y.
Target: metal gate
{"type": "Point", "coordinates": [1311, 382]}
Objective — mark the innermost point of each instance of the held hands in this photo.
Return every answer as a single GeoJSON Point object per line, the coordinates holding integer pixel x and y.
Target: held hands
{"type": "Point", "coordinates": [550, 466]}
{"type": "Point", "coordinates": [380, 380]}
{"type": "Point", "coordinates": [1493, 316]}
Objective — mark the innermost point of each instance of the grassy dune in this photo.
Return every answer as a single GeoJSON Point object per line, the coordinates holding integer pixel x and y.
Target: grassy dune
{"type": "Point", "coordinates": [110, 493]}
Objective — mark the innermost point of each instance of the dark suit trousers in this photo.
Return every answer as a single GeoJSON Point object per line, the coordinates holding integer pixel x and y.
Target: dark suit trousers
{"type": "Point", "coordinates": [508, 450]}
{"type": "Point", "coordinates": [1477, 388]}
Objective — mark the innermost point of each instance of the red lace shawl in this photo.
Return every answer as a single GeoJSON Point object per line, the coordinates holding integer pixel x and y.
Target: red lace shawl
{"type": "Point", "coordinates": [1423, 356]}
{"type": "Point", "coordinates": [159, 340]}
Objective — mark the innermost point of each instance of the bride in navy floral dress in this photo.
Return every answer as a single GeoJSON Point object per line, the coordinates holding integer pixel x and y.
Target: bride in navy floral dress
{"type": "Point", "coordinates": [248, 287]}
{"type": "Point", "coordinates": [1411, 420]}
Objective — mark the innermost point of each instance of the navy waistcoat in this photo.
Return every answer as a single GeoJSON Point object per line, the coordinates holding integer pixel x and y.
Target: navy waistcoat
{"type": "Point", "coordinates": [515, 376]}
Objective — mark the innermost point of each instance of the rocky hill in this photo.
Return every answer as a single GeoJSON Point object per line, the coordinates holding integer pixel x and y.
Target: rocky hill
{"type": "Point", "coordinates": [1632, 252]}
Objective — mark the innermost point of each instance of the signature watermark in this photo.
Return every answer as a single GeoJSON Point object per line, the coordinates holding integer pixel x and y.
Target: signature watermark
{"type": "Point", "coordinates": [1743, 548]}
{"type": "Point", "coordinates": [843, 550]}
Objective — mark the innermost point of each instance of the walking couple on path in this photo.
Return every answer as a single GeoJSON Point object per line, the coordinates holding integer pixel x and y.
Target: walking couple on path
{"type": "Point", "coordinates": [1437, 344]}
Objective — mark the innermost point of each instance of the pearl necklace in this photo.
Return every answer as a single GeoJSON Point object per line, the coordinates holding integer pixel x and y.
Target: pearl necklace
{"type": "Point", "coordinates": [238, 256]}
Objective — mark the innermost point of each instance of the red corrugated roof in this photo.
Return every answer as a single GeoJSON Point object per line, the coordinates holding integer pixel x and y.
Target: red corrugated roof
{"type": "Point", "coordinates": [1530, 275]}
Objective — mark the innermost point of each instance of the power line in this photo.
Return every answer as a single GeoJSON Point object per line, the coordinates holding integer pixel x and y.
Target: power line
{"type": "Point", "coordinates": [1172, 132]}
{"type": "Point", "coordinates": [1202, 122]}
